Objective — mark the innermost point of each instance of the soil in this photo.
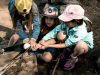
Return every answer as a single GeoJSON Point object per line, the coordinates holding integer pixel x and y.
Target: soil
{"type": "Point", "coordinates": [92, 8]}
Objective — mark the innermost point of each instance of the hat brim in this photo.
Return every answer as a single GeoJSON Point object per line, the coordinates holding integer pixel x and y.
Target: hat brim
{"type": "Point", "coordinates": [51, 16]}
{"type": "Point", "coordinates": [67, 17]}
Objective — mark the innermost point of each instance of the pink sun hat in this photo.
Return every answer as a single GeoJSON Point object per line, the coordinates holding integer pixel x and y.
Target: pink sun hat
{"type": "Point", "coordinates": [72, 12]}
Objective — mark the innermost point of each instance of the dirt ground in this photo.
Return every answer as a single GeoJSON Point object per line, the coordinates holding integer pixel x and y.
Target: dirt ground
{"type": "Point", "coordinates": [92, 11]}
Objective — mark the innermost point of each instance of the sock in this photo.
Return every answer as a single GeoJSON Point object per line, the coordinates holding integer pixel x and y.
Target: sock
{"type": "Point", "coordinates": [72, 56]}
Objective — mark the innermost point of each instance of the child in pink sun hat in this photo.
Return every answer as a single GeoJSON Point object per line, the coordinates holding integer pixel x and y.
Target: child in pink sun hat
{"type": "Point", "coordinates": [72, 12]}
{"type": "Point", "coordinates": [79, 34]}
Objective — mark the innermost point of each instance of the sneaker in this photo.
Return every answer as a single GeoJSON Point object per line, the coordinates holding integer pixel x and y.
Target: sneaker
{"type": "Point", "coordinates": [65, 54]}
{"type": "Point", "coordinates": [70, 64]}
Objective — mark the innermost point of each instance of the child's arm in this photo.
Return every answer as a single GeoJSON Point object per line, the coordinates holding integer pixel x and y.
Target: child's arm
{"type": "Point", "coordinates": [49, 42]}
{"type": "Point", "coordinates": [62, 45]}
{"type": "Point", "coordinates": [42, 43]}
{"type": "Point", "coordinates": [52, 34]}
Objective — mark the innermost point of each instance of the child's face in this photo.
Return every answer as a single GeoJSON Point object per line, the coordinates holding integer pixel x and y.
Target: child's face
{"type": "Point", "coordinates": [49, 21]}
{"type": "Point", "coordinates": [72, 23]}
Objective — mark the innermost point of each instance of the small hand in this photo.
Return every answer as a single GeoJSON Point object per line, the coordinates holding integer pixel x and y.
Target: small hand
{"type": "Point", "coordinates": [43, 47]}
{"type": "Point", "coordinates": [37, 46]}
{"type": "Point", "coordinates": [26, 40]}
{"type": "Point", "coordinates": [33, 44]}
{"type": "Point", "coordinates": [42, 42]}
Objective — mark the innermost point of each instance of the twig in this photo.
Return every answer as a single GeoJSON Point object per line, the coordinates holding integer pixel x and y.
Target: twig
{"type": "Point", "coordinates": [55, 66]}
{"type": "Point", "coordinates": [6, 67]}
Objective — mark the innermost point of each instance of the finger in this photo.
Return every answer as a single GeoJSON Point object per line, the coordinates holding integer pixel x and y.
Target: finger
{"type": "Point", "coordinates": [34, 49]}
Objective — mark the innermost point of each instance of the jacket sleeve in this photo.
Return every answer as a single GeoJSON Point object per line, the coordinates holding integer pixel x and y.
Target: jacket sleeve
{"type": "Point", "coordinates": [11, 8]}
{"type": "Point", "coordinates": [21, 32]}
{"type": "Point", "coordinates": [77, 36]}
{"type": "Point", "coordinates": [36, 22]}
{"type": "Point", "coordinates": [36, 27]}
{"type": "Point", "coordinates": [53, 33]}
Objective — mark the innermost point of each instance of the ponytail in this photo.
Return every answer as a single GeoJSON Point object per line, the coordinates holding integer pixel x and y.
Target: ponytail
{"type": "Point", "coordinates": [88, 25]}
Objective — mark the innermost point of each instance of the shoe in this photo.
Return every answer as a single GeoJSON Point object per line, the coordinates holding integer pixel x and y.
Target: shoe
{"type": "Point", "coordinates": [70, 64]}
{"type": "Point", "coordinates": [65, 54]}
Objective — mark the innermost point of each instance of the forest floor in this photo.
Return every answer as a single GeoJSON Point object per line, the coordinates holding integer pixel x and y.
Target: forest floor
{"type": "Point", "coordinates": [82, 68]}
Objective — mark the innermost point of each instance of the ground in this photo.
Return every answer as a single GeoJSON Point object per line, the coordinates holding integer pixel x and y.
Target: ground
{"type": "Point", "coordinates": [92, 11]}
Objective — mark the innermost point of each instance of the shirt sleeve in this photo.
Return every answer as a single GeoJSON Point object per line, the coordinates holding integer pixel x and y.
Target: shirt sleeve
{"type": "Point", "coordinates": [53, 33]}
{"type": "Point", "coordinates": [77, 36]}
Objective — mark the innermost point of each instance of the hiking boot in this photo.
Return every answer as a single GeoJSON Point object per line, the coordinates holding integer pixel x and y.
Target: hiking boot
{"type": "Point", "coordinates": [70, 64]}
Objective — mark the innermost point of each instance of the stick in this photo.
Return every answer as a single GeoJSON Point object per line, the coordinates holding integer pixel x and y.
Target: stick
{"type": "Point", "coordinates": [6, 67]}
{"type": "Point", "coordinates": [13, 48]}
{"type": "Point", "coordinates": [55, 66]}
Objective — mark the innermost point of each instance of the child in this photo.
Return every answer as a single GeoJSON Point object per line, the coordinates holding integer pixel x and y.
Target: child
{"type": "Point", "coordinates": [49, 22]}
{"type": "Point", "coordinates": [25, 16]}
{"type": "Point", "coordinates": [79, 34]}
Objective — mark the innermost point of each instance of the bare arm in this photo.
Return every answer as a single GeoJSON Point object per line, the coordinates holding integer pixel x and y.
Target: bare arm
{"type": "Point", "coordinates": [50, 42]}
{"type": "Point", "coordinates": [62, 45]}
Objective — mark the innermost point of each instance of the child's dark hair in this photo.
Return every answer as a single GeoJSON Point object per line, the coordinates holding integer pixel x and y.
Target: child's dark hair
{"type": "Point", "coordinates": [88, 24]}
{"type": "Point", "coordinates": [43, 25]}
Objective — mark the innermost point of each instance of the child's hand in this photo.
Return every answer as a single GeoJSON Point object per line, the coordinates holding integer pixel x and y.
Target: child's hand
{"type": "Point", "coordinates": [33, 44]}
{"type": "Point", "coordinates": [42, 42]}
{"type": "Point", "coordinates": [43, 47]}
{"type": "Point", "coordinates": [26, 40]}
{"type": "Point", "coordinates": [36, 47]}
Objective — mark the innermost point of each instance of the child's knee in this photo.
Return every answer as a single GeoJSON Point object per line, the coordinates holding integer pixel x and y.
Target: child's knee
{"type": "Point", "coordinates": [61, 36]}
{"type": "Point", "coordinates": [82, 46]}
{"type": "Point", "coordinates": [15, 37]}
{"type": "Point", "coordinates": [47, 57]}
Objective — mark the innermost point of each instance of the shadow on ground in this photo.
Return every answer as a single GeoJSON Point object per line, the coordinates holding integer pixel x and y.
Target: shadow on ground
{"type": "Point", "coordinates": [7, 31]}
